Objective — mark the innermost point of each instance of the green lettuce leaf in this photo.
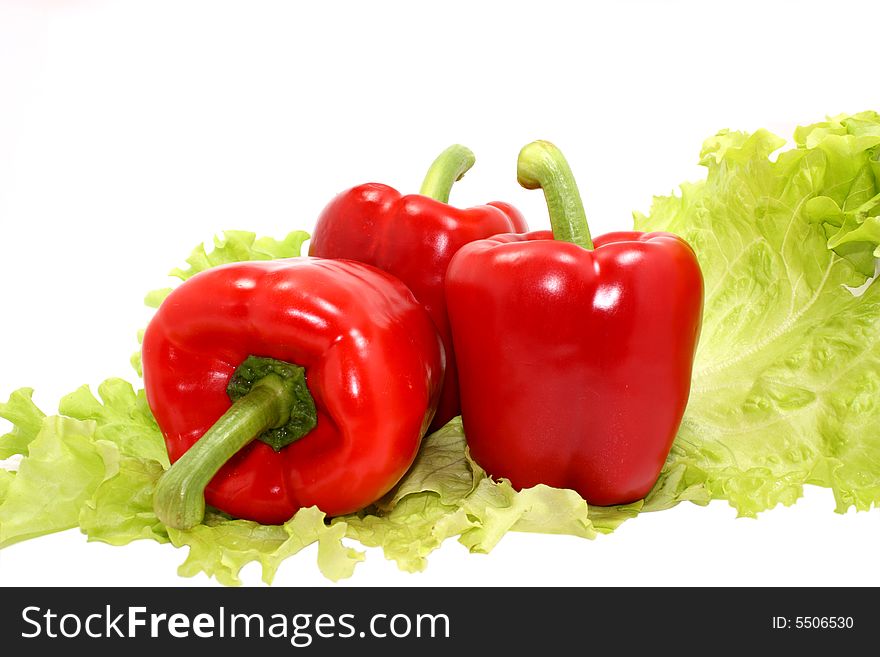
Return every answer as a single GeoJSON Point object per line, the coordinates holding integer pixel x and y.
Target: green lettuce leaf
{"type": "Point", "coordinates": [221, 547]}
{"type": "Point", "coordinates": [121, 417]}
{"type": "Point", "coordinates": [93, 468]}
{"type": "Point", "coordinates": [849, 201]}
{"type": "Point", "coordinates": [855, 228]}
{"type": "Point", "coordinates": [154, 299]}
{"type": "Point", "coordinates": [121, 508]}
{"type": "Point", "coordinates": [136, 359]}
{"type": "Point", "coordinates": [445, 494]}
{"type": "Point", "coordinates": [679, 482]}
{"type": "Point", "coordinates": [606, 519]}
{"type": "Point", "coordinates": [228, 247]}
{"type": "Point", "coordinates": [442, 466]}
{"type": "Point", "coordinates": [6, 478]}
{"type": "Point", "coordinates": [497, 509]}
{"type": "Point", "coordinates": [786, 388]}
{"type": "Point", "coordinates": [240, 246]}
{"type": "Point", "coordinates": [786, 385]}
{"type": "Point", "coordinates": [26, 421]}
{"type": "Point", "coordinates": [64, 467]}
{"type": "Point", "coordinates": [426, 506]}
{"type": "Point", "coordinates": [416, 526]}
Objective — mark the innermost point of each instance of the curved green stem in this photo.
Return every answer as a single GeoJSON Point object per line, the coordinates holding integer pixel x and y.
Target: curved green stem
{"type": "Point", "coordinates": [450, 166]}
{"type": "Point", "coordinates": [273, 403]}
{"type": "Point", "coordinates": [542, 166]}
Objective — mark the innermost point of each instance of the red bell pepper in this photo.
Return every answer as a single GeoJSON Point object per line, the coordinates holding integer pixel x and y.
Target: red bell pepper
{"type": "Point", "coordinates": [414, 237]}
{"type": "Point", "coordinates": [574, 357]}
{"type": "Point", "coordinates": [333, 365]}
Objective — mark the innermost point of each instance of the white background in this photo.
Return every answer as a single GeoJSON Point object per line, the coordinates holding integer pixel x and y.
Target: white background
{"type": "Point", "coordinates": [131, 131]}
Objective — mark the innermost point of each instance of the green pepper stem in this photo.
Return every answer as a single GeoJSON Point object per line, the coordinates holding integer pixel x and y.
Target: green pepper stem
{"type": "Point", "coordinates": [179, 499]}
{"type": "Point", "coordinates": [450, 166]}
{"type": "Point", "coordinates": [542, 166]}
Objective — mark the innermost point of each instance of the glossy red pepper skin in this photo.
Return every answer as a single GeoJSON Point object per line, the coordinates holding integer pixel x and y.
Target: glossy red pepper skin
{"type": "Point", "coordinates": [575, 364]}
{"type": "Point", "coordinates": [373, 362]}
{"type": "Point", "coordinates": [412, 237]}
